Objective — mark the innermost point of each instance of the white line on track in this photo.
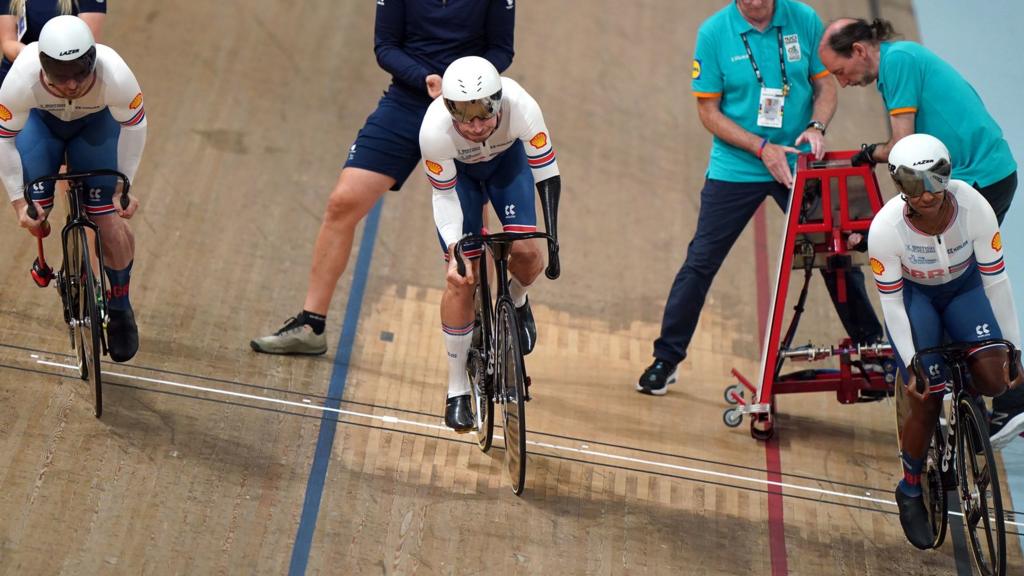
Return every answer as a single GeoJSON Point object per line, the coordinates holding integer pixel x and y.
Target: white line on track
{"type": "Point", "coordinates": [306, 404]}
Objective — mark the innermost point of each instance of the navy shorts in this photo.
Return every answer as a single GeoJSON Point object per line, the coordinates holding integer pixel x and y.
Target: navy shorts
{"type": "Point", "coordinates": [958, 309]}
{"type": "Point", "coordinates": [89, 143]}
{"type": "Point", "coordinates": [389, 141]}
{"type": "Point", "coordinates": [507, 182]}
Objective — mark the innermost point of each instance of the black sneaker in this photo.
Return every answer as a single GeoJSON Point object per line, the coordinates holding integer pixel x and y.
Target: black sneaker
{"type": "Point", "coordinates": [914, 518]}
{"type": "Point", "coordinates": [1006, 421]}
{"type": "Point", "coordinates": [458, 415]}
{"type": "Point", "coordinates": [122, 335]}
{"type": "Point", "coordinates": [527, 328]}
{"type": "Point", "coordinates": [656, 378]}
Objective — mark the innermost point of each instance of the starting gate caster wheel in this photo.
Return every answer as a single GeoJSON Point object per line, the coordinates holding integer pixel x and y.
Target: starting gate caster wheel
{"type": "Point", "coordinates": [733, 394]}
{"type": "Point", "coordinates": [762, 427]}
{"type": "Point", "coordinates": [732, 417]}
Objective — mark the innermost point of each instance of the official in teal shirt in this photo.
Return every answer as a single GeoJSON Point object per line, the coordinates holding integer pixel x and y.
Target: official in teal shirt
{"type": "Point", "coordinates": [924, 94]}
{"type": "Point", "coordinates": [785, 57]}
{"type": "Point", "coordinates": [751, 56]}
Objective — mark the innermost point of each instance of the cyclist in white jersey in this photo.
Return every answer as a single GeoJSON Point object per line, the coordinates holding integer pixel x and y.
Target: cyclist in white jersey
{"type": "Point", "coordinates": [937, 257]}
{"type": "Point", "coordinates": [484, 140]}
{"type": "Point", "coordinates": [67, 97]}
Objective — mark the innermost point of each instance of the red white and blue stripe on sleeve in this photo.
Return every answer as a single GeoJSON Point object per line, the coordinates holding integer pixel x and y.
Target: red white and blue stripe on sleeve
{"type": "Point", "coordinates": [889, 287]}
{"type": "Point", "coordinates": [992, 268]}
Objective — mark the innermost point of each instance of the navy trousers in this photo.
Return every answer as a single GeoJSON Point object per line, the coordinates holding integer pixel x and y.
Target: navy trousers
{"type": "Point", "coordinates": [725, 210]}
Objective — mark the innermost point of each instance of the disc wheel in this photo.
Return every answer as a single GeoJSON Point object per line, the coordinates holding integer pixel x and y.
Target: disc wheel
{"type": "Point", "coordinates": [90, 324]}
{"type": "Point", "coordinates": [980, 499]}
{"type": "Point", "coordinates": [511, 379]}
{"type": "Point", "coordinates": [483, 400]}
{"type": "Point", "coordinates": [933, 489]}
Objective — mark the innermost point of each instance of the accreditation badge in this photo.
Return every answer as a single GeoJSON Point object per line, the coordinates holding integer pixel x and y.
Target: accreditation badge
{"type": "Point", "coordinates": [769, 110]}
{"type": "Point", "coordinates": [22, 26]}
{"type": "Point", "coordinates": [792, 44]}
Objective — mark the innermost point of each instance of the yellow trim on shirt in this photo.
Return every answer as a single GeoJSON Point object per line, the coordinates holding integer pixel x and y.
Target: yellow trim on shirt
{"type": "Point", "coordinates": [707, 94]}
{"type": "Point", "coordinates": [904, 110]}
{"type": "Point", "coordinates": [821, 74]}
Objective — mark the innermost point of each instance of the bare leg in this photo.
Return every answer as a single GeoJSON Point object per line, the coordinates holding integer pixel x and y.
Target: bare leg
{"type": "Point", "coordinates": [920, 424]}
{"type": "Point", "coordinates": [526, 261]}
{"type": "Point", "coordinates": [351, 200]}
{"type": "Point", "coordinates": [118, 240]}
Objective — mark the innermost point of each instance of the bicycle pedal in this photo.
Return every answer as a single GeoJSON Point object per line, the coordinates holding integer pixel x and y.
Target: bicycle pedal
{"type": "Point", "coordinates": [41, 275]}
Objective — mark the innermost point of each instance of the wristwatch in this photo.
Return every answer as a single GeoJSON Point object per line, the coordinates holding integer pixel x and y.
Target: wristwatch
{"type": "Point", "coordinates": [819, 126]}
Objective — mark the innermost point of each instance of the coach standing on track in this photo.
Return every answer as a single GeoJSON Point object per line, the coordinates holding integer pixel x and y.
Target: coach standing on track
{"type": "Point", "coordinates": [754, 60]}
{"type": "Point", "coordinates": [414, 41]}
{"type": "Point", "coordinates": [924, 94]}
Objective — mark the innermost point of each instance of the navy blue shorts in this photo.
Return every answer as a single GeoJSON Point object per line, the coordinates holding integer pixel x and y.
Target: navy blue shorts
{"type": "Point", "coordinates": [507, 182]}
{"type": "Point", "coordinates": [389, 142]}
{"type": "Point", "coordinates": [958, 309]}
{"type": "Point", "coordinates": [89, 143]}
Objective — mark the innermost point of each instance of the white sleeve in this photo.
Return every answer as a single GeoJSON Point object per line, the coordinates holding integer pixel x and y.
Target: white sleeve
{"type": "Point", "coordinates": [125, 102]}
{"type": "Point", "coordinates": [540, 154]}
{"type": "Point", "coordinates": [988, 251]}
{"type": "Point", "coordinates": [886, 251]}
{"type": "Point", "coordinates": [439, 166]}
{"type": "Point", "coordinates": [16, 102]}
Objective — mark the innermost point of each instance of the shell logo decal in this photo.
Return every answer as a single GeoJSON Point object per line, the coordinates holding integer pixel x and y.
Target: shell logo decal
{"type": "Point", "coordinates": [5, 114]}
{"type": "Point", "coordinates": [695, 74]}
{"type": "Point", "coordinates": [136, 102]}
{"type": "Point", "coordinates": [434, 167]}
{"type": "Point", "coordinates": [997, 242]}
{"type": "Point", "coordinates": [877, 267]}
{"type": "Point", "coordinates": [539, 141]}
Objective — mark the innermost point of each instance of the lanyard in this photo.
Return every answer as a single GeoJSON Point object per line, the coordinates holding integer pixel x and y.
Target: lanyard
{"type": "Point", "coordinates": [782, 61]}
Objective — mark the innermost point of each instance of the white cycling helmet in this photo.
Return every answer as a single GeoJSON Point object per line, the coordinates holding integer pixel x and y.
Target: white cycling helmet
{"type": "Point", "coordinates": [67, 50]}
{"type": "Point", "coordinates": [471, 88]}
{"type": "Point", "coordinates": [920, 163]}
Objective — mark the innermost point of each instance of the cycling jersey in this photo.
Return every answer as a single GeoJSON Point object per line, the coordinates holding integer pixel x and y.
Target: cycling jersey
{"type": "Point", "coordinates": [520, 120]}
{"type": "Point", "coordinates": [903, 257]}
{"type": "Point", "coordinates": [114, 90]}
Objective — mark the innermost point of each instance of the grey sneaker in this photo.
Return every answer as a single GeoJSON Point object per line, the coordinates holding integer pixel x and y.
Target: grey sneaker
{"type": "Point", "coordinates": [293, 338]}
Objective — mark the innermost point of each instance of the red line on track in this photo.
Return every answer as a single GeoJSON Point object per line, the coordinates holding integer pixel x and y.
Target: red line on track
{"type": "Point", "coordinates": [773, 460]}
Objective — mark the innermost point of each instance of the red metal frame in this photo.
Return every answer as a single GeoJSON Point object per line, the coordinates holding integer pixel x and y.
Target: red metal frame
{"type": "Point", "coordinates": [846, 382]}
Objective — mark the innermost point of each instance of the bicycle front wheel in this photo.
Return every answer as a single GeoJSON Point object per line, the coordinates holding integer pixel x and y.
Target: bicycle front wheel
{"type": "Point", "coordinates": [511, 379]}
{"type": "Point", "coordinates": [980, 499]}
{"type": "Point", "coordinates": [89, 322]}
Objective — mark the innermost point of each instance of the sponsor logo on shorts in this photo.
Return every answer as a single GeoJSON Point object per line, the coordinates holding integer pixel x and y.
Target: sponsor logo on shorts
{"type": "Point", "coordinates": [5, 114]}
{"type": "Point", "coordinates": [434, 167]}
{"type": "Point", "coordinates": [877, 267]}
{"type": "Point", "coordinates": [696, 69]}
{"type": "Point", "coordinates": [136, 102]}
{"type": "Point", "coordinates": [997, 240]}
{"type": "Point", "coordinates": [539, 141]}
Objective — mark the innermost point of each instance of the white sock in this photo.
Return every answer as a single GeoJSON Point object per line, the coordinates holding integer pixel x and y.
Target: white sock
{"type": "Point", "coordinates": [457, 341]}
{"type": "Point", "coordinates": [518, 292]}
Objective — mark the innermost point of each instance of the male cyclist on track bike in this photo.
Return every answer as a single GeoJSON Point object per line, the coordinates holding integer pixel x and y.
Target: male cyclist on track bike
{"type": "Point", "coordinates": [68, 97]}
{"type": "Point", "coordinates": [484, 140]}
{"type": "Point", "coordinates": [937, 257]}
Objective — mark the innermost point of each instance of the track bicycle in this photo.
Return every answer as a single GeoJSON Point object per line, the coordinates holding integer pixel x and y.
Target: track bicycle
{"type": "Point", "coordinates": [495, 365]}
{"type": "Point", "coordinates": [82, 288]}
{"type": "Point", "coordinates": [960, 457]}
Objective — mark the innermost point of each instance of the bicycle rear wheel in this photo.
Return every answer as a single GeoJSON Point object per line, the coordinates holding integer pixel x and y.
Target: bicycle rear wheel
{"type": "Point", "coordinates": [511, 379]}
{"type": "Point", "coordinates": [980, 499]}
{"type": "Point", "coordinates": [90, 322]}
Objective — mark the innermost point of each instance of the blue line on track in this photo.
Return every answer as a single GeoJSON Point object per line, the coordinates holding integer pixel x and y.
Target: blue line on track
{"type": "Point", "coordinates": [329, 421]}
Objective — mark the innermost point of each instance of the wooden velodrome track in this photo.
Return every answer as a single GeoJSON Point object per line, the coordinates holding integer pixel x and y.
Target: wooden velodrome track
{"type": "Point", "coordinates": [251, 108]}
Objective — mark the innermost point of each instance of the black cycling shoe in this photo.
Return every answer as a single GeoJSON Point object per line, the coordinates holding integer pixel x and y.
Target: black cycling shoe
{"type": "Point", "coordinates": [527, 328]}
{"type": "Point", "coordinates": [656, 378]}
{"type": "Point", "coordinates": [458, 415]}
{"type": "Point", "coordinates": [122, 335]}
{"type": "Point", "coordinates": [914, 518]}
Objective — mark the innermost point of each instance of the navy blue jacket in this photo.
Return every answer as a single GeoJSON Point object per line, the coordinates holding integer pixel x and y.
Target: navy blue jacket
{"type": "Point", "coordinates": [416, 38]}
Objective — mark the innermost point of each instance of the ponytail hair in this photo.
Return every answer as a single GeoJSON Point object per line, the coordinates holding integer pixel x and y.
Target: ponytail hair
{"type": "Point", "coordinates": [17, 7]}
{"type": "Point", "coordinates": [860, 31]}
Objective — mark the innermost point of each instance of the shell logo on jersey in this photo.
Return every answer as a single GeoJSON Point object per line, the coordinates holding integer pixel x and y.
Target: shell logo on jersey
{"type": "Point", "coordinates": [539, 141]}
{"type": "Point", "coordinates": [877, 267]}
{"type": "Point", "coordinates": [136, 102]}
{"type": "Point", "coordinates": [434, 167]}
{"type": "Point", "coordinates": [696, 69]}
{"type": "Point", "coordinates": [997, 242]}
{"type": "Point", "coordinates": [5, 114]}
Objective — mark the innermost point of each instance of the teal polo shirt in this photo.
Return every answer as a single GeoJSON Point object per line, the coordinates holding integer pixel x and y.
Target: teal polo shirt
{"type": "Point", "coordinates": [721, 69]}
{"type": "Point", "coordinates": [914, 79]}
